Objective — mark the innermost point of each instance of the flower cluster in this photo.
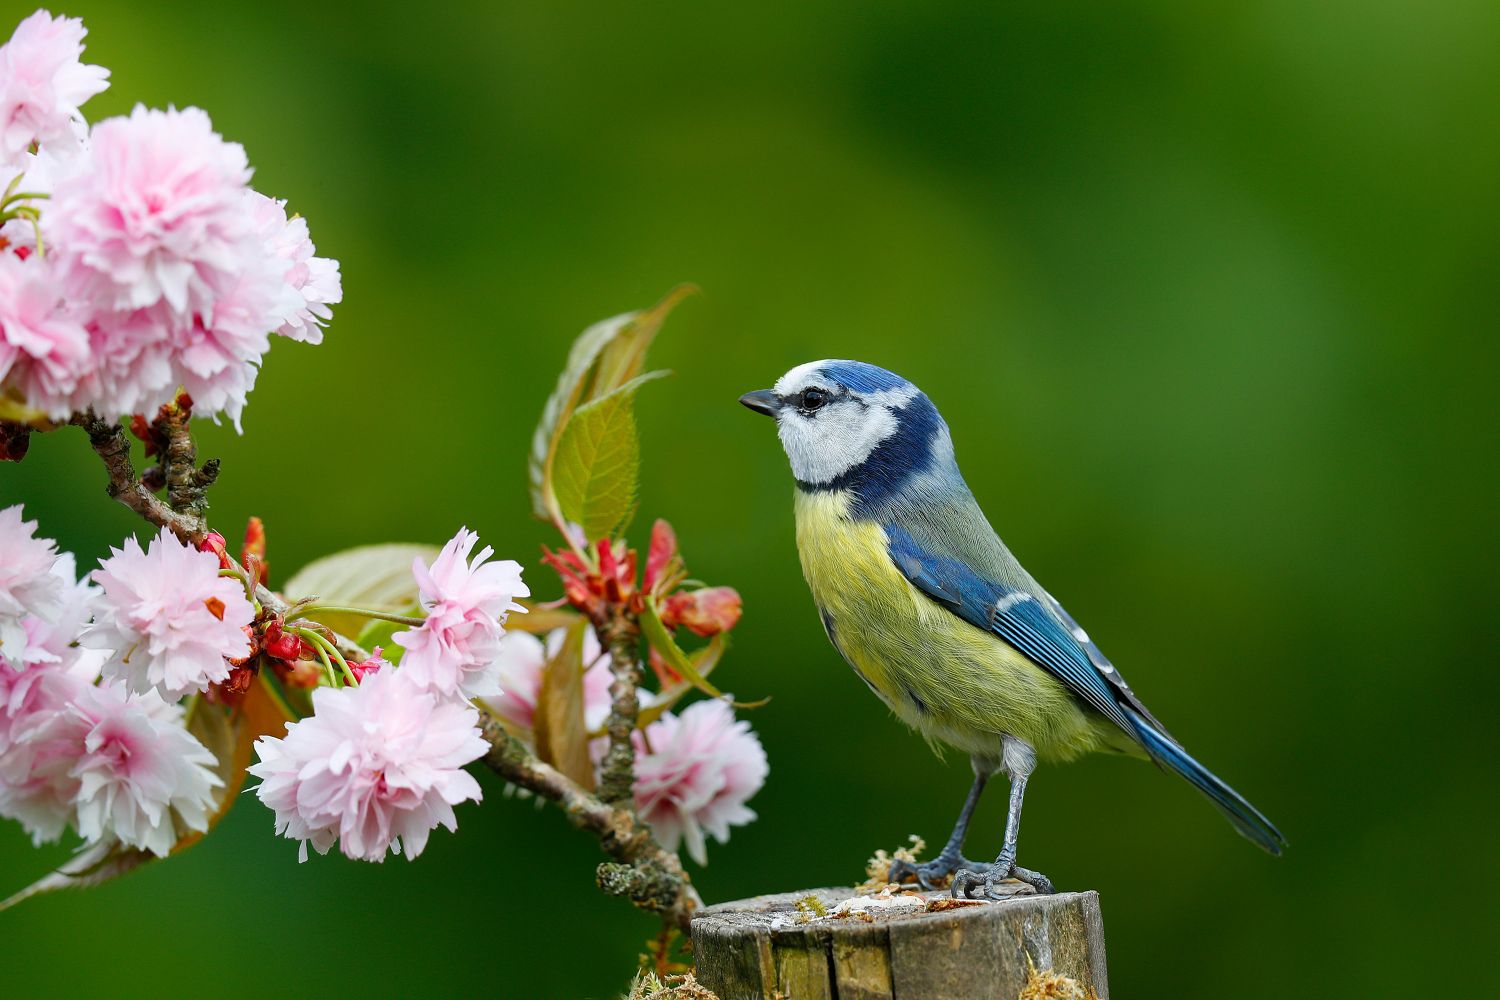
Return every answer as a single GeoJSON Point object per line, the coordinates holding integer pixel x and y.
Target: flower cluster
{"type": "Point", "coordinates": [140, 272]}
{"type": "Point", "coordinates": [379, 763]}
{"type": "Point", "coordinates": [135, 258]}
{"type": "Point", "coordinates": [110, 758]}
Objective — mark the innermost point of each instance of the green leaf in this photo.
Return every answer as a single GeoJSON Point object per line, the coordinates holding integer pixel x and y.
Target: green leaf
{"type": "Point", "coordinates": [661, 640]}
{"type": "Point", "coordinates": [704, 659]}
{"type": "Point", "coordinates": [603, 358]}
{"type": "Point", "coordinates": [597, 471]}
{"type": "Point", "coordinates": [562, 738]}
{"type": "Point", "coordinates": [377, 577]}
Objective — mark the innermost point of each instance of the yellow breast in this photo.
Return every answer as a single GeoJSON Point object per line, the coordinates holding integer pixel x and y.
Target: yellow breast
{"type": "Point", "coordinates": [952, 681]}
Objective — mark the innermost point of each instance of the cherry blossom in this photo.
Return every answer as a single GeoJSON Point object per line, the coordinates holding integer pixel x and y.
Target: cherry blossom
{"type": "Point", "coordinates": [375, 767]}
{"type": "Point", "coordinates": [117, 766]}
{"type": "Point", "coordinates": [27, 583]}
{"type": "Point", "coordinates": [168, 619]}
{"type": "Point", "coordinates": [456, 649]}
{"type": "Point", "coordinates": [694, 773]}
{"type": "Point", "coordinates": [43, 83]}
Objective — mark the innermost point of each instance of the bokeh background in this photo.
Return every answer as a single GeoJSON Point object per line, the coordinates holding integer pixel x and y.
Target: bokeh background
{"type": "Point", "coordinates": [1206, 293]}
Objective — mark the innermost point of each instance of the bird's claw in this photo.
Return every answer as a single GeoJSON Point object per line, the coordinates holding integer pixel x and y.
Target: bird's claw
{"type": "Point", "coordinates": [929, 874]}
{"type": "Point", "coordinates": [981, 881]}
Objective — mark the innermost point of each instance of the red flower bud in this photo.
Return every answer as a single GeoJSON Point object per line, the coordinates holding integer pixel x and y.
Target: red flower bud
{"type": "Point", "coordinates": [214, 542]}
{"type": "Point", "coordinates": [231, 691]}
{"type": "Point", "coordinates": [703, 612]}
{"type": "Point", "coordinates": [282, 645]}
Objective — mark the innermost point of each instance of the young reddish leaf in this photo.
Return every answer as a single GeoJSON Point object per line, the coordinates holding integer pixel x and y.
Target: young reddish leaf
{"type": "Point", "coordinates": [253, 553]}
{"type": "Point", "coordinates": [539, 619]}
{"type": "Point", "coordinates": [229, 734]}
{"type": "Point", "coordinates": [562, 738]}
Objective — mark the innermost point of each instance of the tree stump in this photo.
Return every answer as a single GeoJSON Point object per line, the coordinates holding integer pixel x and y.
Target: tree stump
{"type": "Point", "coordinates": [914, 945]}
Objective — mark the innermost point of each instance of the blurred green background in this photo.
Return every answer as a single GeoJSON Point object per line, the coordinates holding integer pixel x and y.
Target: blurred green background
{"type": "Point", "coordinates": [1206, 293]}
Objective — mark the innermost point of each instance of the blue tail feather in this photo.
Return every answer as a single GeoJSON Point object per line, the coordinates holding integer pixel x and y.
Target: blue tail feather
{"type": "Point", "coordinates": [1248, 820]}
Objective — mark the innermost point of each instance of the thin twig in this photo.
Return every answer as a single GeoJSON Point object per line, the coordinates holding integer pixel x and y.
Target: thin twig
{"type": "Point", "coordinates": [109, 442]}
{"type": "Point", "coordinates": [650, 876]}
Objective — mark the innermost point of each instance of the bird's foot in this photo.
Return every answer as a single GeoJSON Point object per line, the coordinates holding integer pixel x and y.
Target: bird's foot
{"type": "Point", "coordinates": [932, 874]}
{"type": "Point", "coordinates": [981, 881]}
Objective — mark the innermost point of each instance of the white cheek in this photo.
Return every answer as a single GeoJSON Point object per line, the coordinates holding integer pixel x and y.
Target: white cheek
{"type": "Point", "coordinates": [838, 439]}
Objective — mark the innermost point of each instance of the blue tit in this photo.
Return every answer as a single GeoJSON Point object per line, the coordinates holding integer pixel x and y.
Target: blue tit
{"type": "Point", "coordinates": [920, 596]}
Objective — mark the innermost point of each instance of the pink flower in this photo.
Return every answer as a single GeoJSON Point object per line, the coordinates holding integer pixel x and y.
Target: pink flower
{"type": "Point", "coordinates": [36, 173]}
{"type": "Point", "coordinates": [701, 768]}
{"type": "Point", "coordinates": [27, 583]}
{"type": "Point", "coordinates": [44, 351]}
{"type": "Point", "coordinates": [310, 284]}
{"type": "Point", "coordinates": [155, 214]}
{"type": "Point", "coordinates": [133, 370]}
{"type": "Point", "coordinates": [156, 238]}
{"type": "Point", "coordinates": [44, 672]}
{"type": "Point", "coordinates": [456, 650]}
{"type": "Point", "coordinates": [168, 619]}
{"type": "Point", "coordinates": [519, 672]}
{"type": "Point", "coordinates": [375, 767]}
{"type": "Point", "coordinates": [216, 353]}
{"type": "Point", "coordinates": [42, 82]}
{"type": "Point", "coordinates": [117, 766]}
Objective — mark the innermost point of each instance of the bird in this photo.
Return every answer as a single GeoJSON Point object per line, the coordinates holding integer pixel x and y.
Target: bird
{"type": "Point", "coordinates": [920, 596]}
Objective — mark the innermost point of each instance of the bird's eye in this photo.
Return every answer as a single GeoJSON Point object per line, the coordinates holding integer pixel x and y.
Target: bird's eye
{"type": "Point", "coordinates": [813, 398]}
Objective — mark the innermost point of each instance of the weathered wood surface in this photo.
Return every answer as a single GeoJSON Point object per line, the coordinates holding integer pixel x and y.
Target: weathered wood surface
{"type": "Point", "coordinates": [757, 948]}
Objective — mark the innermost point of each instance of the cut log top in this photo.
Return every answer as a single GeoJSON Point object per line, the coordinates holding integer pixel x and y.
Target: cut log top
{"type": "Point", "coordinates": [915, 945]}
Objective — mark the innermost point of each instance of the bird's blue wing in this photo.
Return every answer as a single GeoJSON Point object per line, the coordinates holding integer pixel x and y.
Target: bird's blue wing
{"type": "Point", "coordinates": [1019, 612]}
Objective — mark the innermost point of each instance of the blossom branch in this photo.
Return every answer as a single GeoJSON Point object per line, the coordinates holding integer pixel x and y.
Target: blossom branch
{"type": "Point", "coordinates": [109, 442]}
{"type": "Point", "coordinates": [648, 875]}
{"type": "Point", "coordinates": [642, 870]}
{"type": "Point", "coordinates": [620, 634]}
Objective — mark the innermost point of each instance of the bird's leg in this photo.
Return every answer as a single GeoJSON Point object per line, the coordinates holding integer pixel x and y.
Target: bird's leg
{"type": "Point", "coordinates": [980, 881]}
{"type": "Point", "coordinates": [950, 859]}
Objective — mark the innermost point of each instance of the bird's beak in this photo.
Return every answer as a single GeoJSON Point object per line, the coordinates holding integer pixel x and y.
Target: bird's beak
{"type": "Point", "coordinates": [762, 401]}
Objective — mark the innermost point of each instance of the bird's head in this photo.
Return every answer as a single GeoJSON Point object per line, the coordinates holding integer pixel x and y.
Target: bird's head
{"type": "Point", "coordinates": [842, 419]}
